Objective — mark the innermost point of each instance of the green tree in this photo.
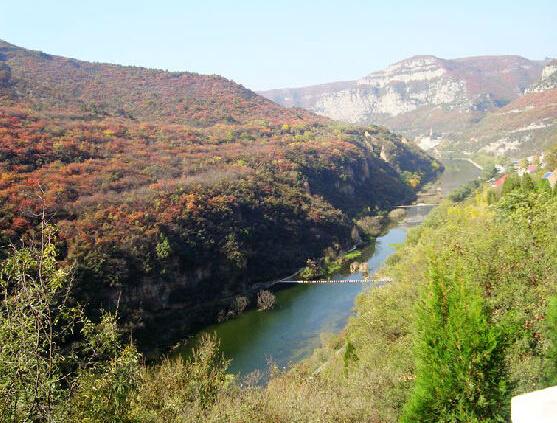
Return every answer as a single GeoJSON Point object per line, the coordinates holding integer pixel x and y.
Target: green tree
{"type": "Point", "coordinates": [526, 183]}
{"type": "Point", "coordinates": [56, 365]}
{"type": "Point", "coordinates": [511, 183]}
{"type": "Point", "coordinates": [35, 324]}
{"type": "Point", "coordinates": [460, 370]}
{"type": "Point", "coordinates": [105, 386]}
{"type": "Point", "coordinates": [163, 247]}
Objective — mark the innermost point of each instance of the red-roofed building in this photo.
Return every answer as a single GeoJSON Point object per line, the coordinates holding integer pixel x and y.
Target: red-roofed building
{"type": "Point", "coordinates": [499, 182]}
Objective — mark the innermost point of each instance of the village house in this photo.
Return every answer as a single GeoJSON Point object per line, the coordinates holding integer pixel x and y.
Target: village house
{"type": "Point", "coordinates": [500, 168]}
{"type": "Point", "coordinates": [499, 182]}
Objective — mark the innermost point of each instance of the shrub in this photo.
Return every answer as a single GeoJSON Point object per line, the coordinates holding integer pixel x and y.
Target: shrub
{"type": "Point", "coordinates": [239, 304]}
{"type": "Point", "coordinates": [265, 300]}
{"type": "Point", "coordinates": [56, 365]}
{"type": "Point", "coordinates": [372, 226]}
{"type": "Point", "coordinates": [35, 322]}
{"type": "Point", "coordinates": [311, 271]}
{"type": "Point", "coordinates": [183, 390]}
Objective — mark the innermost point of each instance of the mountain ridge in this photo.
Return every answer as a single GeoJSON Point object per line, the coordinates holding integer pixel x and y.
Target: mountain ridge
{"type": "Point", "coordinates": [179, 97]}
{"type": "Point", "coordinates": [432, 100]}
{"type": "Point", "coordinates": [447, 104]}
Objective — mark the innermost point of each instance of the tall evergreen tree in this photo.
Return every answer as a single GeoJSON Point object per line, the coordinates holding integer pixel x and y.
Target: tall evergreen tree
{"type": "Point", "coordinates": [460, 370]}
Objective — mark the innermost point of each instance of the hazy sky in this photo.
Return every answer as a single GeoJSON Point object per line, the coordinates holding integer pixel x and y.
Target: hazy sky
{"type": "Point", "coordinates": [279, 43]}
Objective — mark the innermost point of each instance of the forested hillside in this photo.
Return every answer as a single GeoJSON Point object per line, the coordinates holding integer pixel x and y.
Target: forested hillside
{"type": "Point", "coordinates": [468, 320]}
{"type": "Point", "coordinates": [173, 193]}
{"type": "Point", "coordinates": [525, 126]}
{"type": "Point", "coordinates": [58, 83]}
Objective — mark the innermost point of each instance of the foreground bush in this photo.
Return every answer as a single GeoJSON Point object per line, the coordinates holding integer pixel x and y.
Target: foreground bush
{"type": "Point", "coordinates": [180, 390]}
{"type": "Point", "coordinates": [460, 367]}
{"type": "Point", "coordinates": [56, 365]}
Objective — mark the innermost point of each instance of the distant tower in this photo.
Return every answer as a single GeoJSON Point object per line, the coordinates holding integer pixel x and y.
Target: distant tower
{"type": "Point", "coordinates": [431, 133]}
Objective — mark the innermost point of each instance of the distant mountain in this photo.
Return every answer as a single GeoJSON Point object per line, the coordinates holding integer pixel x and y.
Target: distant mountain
{"type": "Point", "coordinates": [306, 97]}
{"type": "Point", "coordinates": [421, 94]}
{"type": "Point", "coordinates": [525, 126]}
{"type": "Point", "coordinates": [176, 192]}
{"type": "Point", "coordinates": [548, 79]}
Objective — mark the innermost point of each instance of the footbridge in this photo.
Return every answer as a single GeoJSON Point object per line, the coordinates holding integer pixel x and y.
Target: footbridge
{"type": "Point", "coordinates": [381, 280]}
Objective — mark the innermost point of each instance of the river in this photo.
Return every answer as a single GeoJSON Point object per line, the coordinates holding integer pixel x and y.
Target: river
{"type": "Point", "coordinates": [293, 329]}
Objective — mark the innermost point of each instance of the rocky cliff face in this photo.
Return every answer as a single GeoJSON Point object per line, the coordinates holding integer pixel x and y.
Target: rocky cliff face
{"type": "Point", "coordinates": [525, 126]}
{"type": "Point", "coordinates": [548, 79]}
{"type": "Point", "coordinates": [401, 88]}
{"type": "Point", "coordinates": [421, 93]}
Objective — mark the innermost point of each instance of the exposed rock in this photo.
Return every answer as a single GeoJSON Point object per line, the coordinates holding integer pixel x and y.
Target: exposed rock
{"type": "Point", "coordinates": [549, 70]}
{"type": "Point", "coordinates": [384, 155]}
{"type": "Point", "coordinates": [359, 267]}
{"type": "Point", "coordinates": [355, 235]}
{"type": "Point", "coordinates": [548, 79]}
{"type": "Point", "coordinates": [420, 93]}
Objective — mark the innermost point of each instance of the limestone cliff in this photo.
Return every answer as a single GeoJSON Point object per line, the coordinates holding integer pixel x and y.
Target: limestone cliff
{"type": "Point", "coordinates": [548, 79]}
{"type": "Point", "coordinates": [421, 93]}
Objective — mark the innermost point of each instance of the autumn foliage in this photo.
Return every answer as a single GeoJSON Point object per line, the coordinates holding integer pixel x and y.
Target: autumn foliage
{"type": "Point", "coordinates": [161, 183]}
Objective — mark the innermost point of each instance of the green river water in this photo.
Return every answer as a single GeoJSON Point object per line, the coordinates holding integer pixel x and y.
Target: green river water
{"type": "Point", "coordinates": [293, 329]}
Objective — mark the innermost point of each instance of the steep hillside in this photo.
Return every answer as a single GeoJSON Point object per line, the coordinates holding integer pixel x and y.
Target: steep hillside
{"type": "Point", "coordinates": [421, 94]}
{"type": "Point", "coordinates": [525, 126]}
{"type": "Point", "coordinates": [174, 193]}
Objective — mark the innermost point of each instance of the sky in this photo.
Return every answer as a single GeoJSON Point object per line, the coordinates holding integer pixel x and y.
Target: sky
{"type": "Point", "coordinates": [279, 43]}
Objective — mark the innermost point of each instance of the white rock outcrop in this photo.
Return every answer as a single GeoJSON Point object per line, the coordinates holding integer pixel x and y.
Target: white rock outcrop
{"type": "Point", "coordinates": [549, 70]}
{"type": "Point", "coordinates": [400, 88]}
{"type": "Point", "coordinates": [548, 80]}
{"type": "Point", "coordinates": [419, 68]}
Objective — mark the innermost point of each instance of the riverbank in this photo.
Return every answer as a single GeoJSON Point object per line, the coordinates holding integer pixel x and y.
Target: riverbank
{"type": "Point", "coordinates": [303, 314]}
{"type": "Point", "coordinates": [457, 318]}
